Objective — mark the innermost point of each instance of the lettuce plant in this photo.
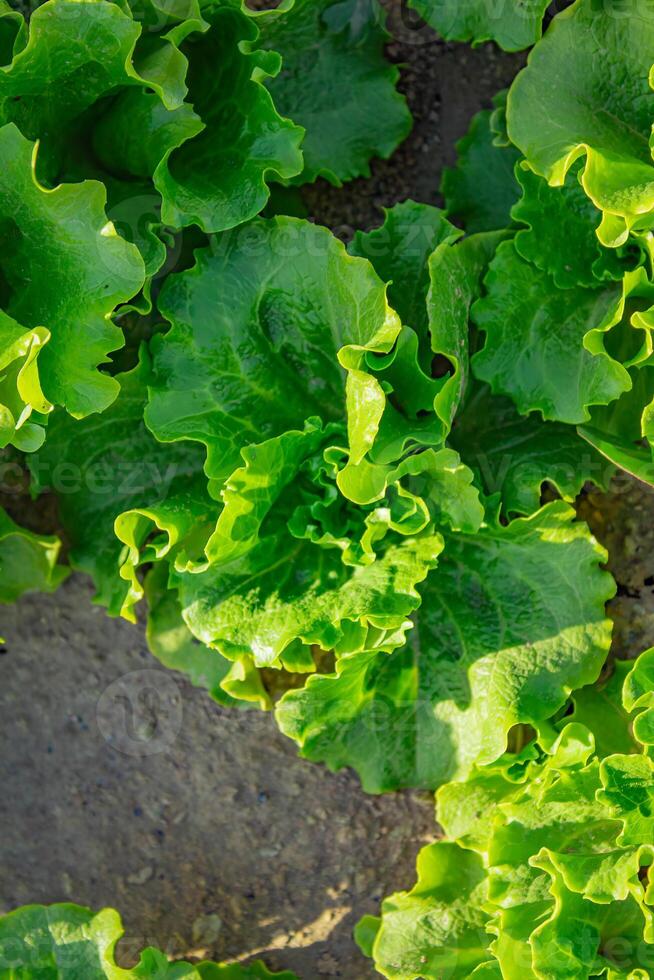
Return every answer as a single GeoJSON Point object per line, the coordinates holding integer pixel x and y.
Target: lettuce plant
{"type": "Point", "coordinates": [307, 453]}
{"type": "Point", "coordinates": [336, 83]}
{"type": "Point", "coordinates": [39, 942]}
{"type": "Point", "coordinates": [544, 868]}
{"type": "Point", "coordinates": [304, 492]}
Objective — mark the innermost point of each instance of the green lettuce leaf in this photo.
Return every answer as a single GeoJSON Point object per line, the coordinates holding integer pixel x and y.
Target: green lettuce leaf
{"type": "Point", "coordinates": [253, 489]}
{"type": "Point", "coordinates": [292, 563]}
{"type": "Point", "coordinates": [487, 652]}
{"type": "Point", "coordinates": [217, 179]}
{"type": "Point", "coordinates": [336, 83]}
{"type": "Point", "coordinates": [638, 699]}
{"type": "Point", "coordinates": [514, 24]}
{"type": "Point", "coordinates": [139, 87]}
{"type": "Point", "coordinates": [604, 708]}
{"type": "Point", "coordinates": [560, 238]}
{"type": "Point", "coordinates": [264, 589]}
{"type": "Point", "coordinates": [39, 942]}
{"type": "Point", "coordinates": [134, 208]}
{"type": "Point", "coordinates": [623, 431]}
{"type": "Point", "coordinates": [293, 318]}
{"type": "Point", "coordinates": [399, 251]}
{"type": "Point", "coordinates": [69, 288]}
{"type": "Point", "coordinates": [628, 791]}
{"type": "Point", "coordinates": [171, 641]}
{"type": "Point", "coordinates": [482, 188]}
{"type": "Point", "coordinates": [433, 280]}
{"type": "Point", "coordinates": [510, 454]}
{"type": "Point", "coordinates": [545, 346]}
{"type": "Point", "coordinates": [438, 929]}
{"type": "Point", "coordinates": [515, 455]}
{"type": "Point", "coordinates": [456, 275]}
{"type": "Point", "coordinates": [585, 93]}
{"type": "Point", "coordinates": [557, 842]}
{"type": "Point", "coordinates": [77, 53]}
{"type": "Point", "coordinates": [67, 41]}
{"type": "Point", "coordinates": [285, 596]}
{"type": "Point", "coordinates": [108, 470]}
{"type": "Point", "coordinates": [28, 561]}
{"type": "Point", "coordinates": [168, 15]}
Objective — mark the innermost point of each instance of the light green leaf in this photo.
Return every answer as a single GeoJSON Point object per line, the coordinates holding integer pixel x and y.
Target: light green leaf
{"type": "Point", "coordinates": [564, 848]}
{"type": "Point", "coordinates": [618, 431]}
{"type": "Point", "coordinates": [365, 932]}
{"type": "Point", "coordinates": [41, 942]}
{"type": "Point", "coordinates": [70, 288]}
{"type": "Point", "coordinates": [438, 929]}
{"type": "Point", "coordinates": [511, 620]}
{"type": "Point", "coordinates": [544, 346]}
{"type": "Point", "coordinates": [488, 971]}
{"type": "Point", "coordinates": [601, 708]}
{"type": "Point", "coordinates": [336, 83]}
{"type": "Point", "coordinates": [290, 312]}
{"type": "Point", "coordinates": [171, 642]}
{"type": "Point", "coordinates": [585, 93]}
{"type": "Point", "coordinates": [433, 282]}
{"type": "Point", "coordinates": [292, 563]}
{"type": "Point", "coordinates": [638, 698]}
{"type": "Point", "coordinates": [28, 562]}
{"type": "Point", "coordinates": [635, 460]}
{"type": "Point", "coordinates": [399, 252]}
{"type": "Point", "coordinates": [628, 792]}
{"type": "Point", "coordinates": [252, 490]}
{"type": "Point", "coordinates": [514, 24]}
{"type": "Point", "coordinates": [285, 593]}
{"type": "Point", "coordinates": [464, 808]}
{"type": "Point", "coordinates": [20, 385]}
{"type": "Point", "coordinates": [583, 939]}
{"type": "Point", "coordinates": [436, 483]}
{"type": "Point", "coordinates": [456, 275]}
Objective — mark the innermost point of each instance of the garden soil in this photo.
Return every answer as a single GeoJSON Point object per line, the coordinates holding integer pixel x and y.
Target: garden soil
{"type": "Point", "coordinates": [221, 842]}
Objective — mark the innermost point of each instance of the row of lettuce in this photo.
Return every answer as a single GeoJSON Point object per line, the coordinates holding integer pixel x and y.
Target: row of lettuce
{"type": "Point", "coordinates": [544, 866]}
{"type": "Point", "coordinates": [322, 467]}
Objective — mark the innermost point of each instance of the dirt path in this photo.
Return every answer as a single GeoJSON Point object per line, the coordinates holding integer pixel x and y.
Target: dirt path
{"type": "Point", "coordinates": [223, 841]}
{"type": "Point", "coordinates": [221, 821]}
